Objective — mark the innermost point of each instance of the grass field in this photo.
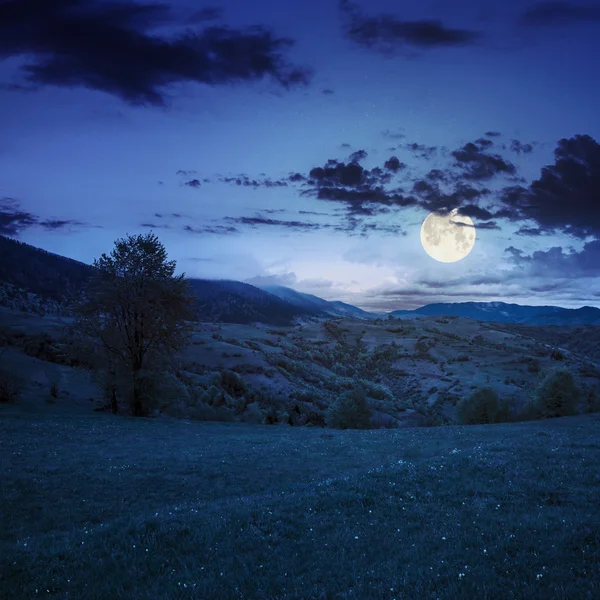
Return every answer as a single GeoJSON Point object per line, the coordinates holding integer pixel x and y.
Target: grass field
{"type": "Point", "coordinates": [103, 507]}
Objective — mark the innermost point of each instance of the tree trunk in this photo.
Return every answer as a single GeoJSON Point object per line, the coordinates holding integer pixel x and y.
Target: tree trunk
{"type": "Point", "coordinates": [114, 405]}
{"type": "Point", "coordinates": [137, 396]}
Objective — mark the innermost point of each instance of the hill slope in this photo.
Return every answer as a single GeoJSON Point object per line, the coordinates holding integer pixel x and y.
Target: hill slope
{"type": "Point", "coordinates": [315, 304]}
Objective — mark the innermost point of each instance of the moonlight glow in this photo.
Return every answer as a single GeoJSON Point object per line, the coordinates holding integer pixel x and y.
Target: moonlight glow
{"type": "Point", "coordinates": [448, 238]}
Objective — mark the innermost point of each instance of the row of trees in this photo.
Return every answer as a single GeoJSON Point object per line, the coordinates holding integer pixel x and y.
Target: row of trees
{"type": "Point", "coordinates": [558, 395]}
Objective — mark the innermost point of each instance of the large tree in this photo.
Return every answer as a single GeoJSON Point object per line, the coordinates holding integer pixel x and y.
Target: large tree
{"type": "Point", "coordinates": [138, 309]}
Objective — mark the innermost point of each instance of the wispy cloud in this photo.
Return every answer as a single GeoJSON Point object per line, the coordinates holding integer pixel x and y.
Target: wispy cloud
{"type": "Point", "coordinates": [389, 34]}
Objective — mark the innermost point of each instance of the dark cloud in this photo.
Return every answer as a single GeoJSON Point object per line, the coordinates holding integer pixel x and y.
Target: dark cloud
{"type": "Point", "coordinates": [434, 199]}
{"type": "Point", "coordinates": [474, 211]}
{"type": "Point", "coordinates": [389, 34]}
{"type": "Point", "coordinates": [544, 14]}
{"type": "Point", "coordinates": [245, 181]}
{"type": "Point", "coordinates": [530, 231]}
{"type": "Point", "coordinates": [155, 226]}
{"type": "Point", "coordinates": [212, 229]}
{"type": "Point", "coordinates": [421, 150]}
{"type": "Point", "coordinates": [492, 133]}
{"type": "Point", "coordinates": [357, 156]}
{"type": "Point", "coordinates": [351, 175]}
{"type": "Point", "coordinates": [555, 262]}
{"type": "Point", "coordinates": [193, 183]}
{"type": "Point", "coordinates": [327, 92]}
{"type": "Point", "coordinates": [345, 145]}
{"type": "Point", "coordinates": [313, 212]}
{"type": "Point", "coordinates": [53, 224]}
{"type": "Point", "coordinates": [256, 221]}
{"type": "Point", "coordinates": [439, 175]}
{"type": "Point", "coordinates": [185, 173]}
{"type": "Point", "coordinates": [478, 165]}
{"type": "Point", "coordinates": [14, 220]}
{"type": "Point", "coordinates": [393, 164]}
{"type": "Point", "coordinates": [519, 147]}
{"type": "Point", "coordinates": [565, 197]}
{"type": "Point", "coordinates": [111, 47]}
{"type": "Point", "coordinates": [487, 225]}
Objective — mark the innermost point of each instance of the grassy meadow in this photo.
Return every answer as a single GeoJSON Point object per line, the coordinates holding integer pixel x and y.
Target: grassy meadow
{"type": "Point", "coordinates": [99, 507]}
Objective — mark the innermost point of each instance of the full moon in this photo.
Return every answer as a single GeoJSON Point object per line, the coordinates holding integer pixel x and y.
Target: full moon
{"type": "Point", "coordinates": [448, 238]}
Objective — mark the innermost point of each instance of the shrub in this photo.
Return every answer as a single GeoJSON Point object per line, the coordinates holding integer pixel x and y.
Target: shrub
{"type": "Point", "coordinates": [9, 388]}
{"type": "Point", "coordinates": [557, 395]}
{"type": "Point", "coordinates": [592, 400]}
{"type": "Point", "coordinates": [232, 383]}
{"type": "Point", "coordinates": [349, 411]}
{"type": "Point", "coordinates": [480, 407]}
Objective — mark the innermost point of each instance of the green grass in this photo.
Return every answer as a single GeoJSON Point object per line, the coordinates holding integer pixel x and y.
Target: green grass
{"type": "Point", "coordinates": [102, 507]}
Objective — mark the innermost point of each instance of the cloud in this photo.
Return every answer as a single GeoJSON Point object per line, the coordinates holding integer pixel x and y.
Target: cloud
{"type": "Point", "coordinates": [115, 48]}
{"type": "Point", "coordinates": [245, 181]}
{"type": "Point", "coordinates": [194, 183]}
{"type": "Point", "coordinates": [389, 34]}
{"type": "Point", "coordinates": [530, 231]}
{"type": "Point", "coordinates": [477, 165]}
{"type": "Point", "coordinates": [155, 226]}
{"type": "Point", "coordinates": [493, 133]}
{"type": "Point", "coordinates": [358, 156]}
{"type": "Point", "coordinates": [14, 220]}
{"type": "Point", "coordinates": [519, 147]}
{"type": "Point", "coordinates": [434, 199]}
{"type": "Point", "coordinates": [555, 262]}
{"type": "Point", "coordinates": [393, 164]}
{"type": "Point", "coordinates": [565, 197]}
{"type": "Point", "coordinates": [545, 14]}
{"type": "Point", "coordinates": [327, 92]}
{"type": "Point", "coordinates": [474, 211]}
{"type": "Point", "coordinates": [212, 229]}
{"type": "Point", "coordinates": [420, 150]}
{"type": "Point", "coordinates": [285, 279]}
{"type": "Point", "coordinates": [295, 225]}
{"type": "Point", "coordinates": [53, 224]}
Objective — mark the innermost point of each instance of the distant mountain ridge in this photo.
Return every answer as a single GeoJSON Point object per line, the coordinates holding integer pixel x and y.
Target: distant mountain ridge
{"type": "Point", "coordinates": [502, 312]}
{"type": "Point", "coordinates": [59, 279]}
{"type": "Point", "coordinates": [317, 305]}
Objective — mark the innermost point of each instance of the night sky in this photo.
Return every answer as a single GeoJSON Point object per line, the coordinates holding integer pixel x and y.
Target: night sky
{"type": "Point", "coordinates": [304, 143]}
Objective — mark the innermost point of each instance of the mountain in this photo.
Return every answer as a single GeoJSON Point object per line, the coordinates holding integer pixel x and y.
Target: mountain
{"type": "Point", "coordinates": [502, 312]}
{"type": "Point", "coordinates": [236, 302]}
{"type": "Point", "coordinates": [31, 277]}
{"type": "Point", "coordinates": [49, 276]}
{"type": "Point", "coordinates": [316, 305]}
